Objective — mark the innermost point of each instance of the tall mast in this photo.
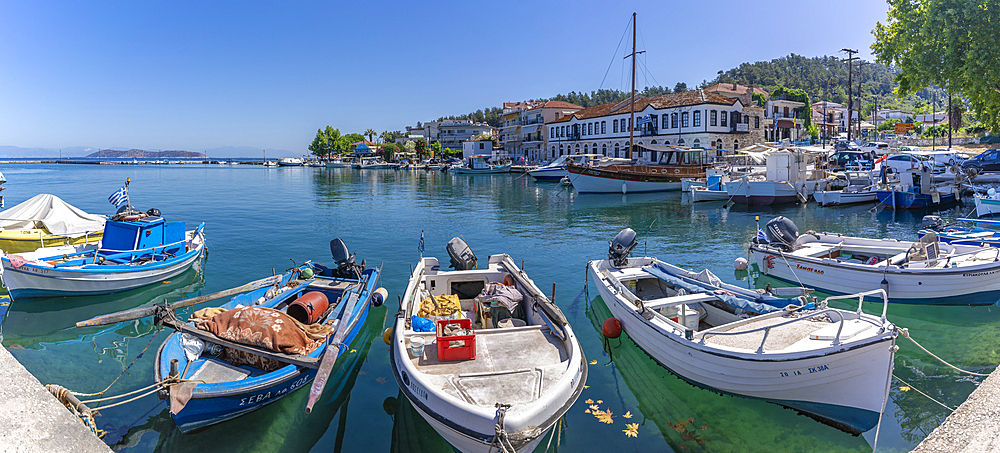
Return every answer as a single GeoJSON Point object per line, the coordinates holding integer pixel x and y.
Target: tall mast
{"type": "Point", "coordinates": [631, 124]}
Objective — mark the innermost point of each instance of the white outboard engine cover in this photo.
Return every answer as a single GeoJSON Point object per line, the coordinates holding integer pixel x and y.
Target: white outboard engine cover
{"type": "Point", "coordinates": [782, 232]}
{"type": "Point", "coordinates": [462, 258]}
{"type": "Point", "coordinates": [621, 246]}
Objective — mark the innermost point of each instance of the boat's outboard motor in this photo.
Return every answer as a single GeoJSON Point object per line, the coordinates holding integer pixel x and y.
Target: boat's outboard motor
{"type": "Point", "coordinates": [781, 232]}
{"type": "Point", "coordinates": [931, 222]}
{"type": "Point", "coordinates": [125, 211]}
{"type": "Point", "coordinates": [344, 260]}
{"type": "Point", "coordinates": [621, 246]}
{"type": "Point", "coordinates": [153, 212]}
{"type": "Point", "coordinates": [462, 258]}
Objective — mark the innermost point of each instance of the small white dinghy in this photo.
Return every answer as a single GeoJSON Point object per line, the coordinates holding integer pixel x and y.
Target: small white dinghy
{"type": "Point", "coordinates": [833, 365]}
{"type": "Point", "coordinates": [501, 385]}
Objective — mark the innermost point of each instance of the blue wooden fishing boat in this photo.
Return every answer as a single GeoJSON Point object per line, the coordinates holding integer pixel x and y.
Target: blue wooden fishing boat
{"type": "Point", "coordinates": [224, 383]}
{"type": "Point", "coordinates": [138, 249]}
{"type": "Point", "coordinates": [910, 200]}
{"type": "Point", "coordinates": [951, 234]}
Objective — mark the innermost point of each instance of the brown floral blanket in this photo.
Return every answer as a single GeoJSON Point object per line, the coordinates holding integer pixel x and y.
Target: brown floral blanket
{"type": "Point", "coordinates": [262, 327]}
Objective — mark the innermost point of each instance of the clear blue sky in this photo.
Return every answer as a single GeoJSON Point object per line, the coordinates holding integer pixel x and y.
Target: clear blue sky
{"type": "Point", "coordinates": [200, 75]}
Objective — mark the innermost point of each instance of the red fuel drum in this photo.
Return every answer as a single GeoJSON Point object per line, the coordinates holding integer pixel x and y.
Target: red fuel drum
{"type": "Point", "coordinates": [308, 307]}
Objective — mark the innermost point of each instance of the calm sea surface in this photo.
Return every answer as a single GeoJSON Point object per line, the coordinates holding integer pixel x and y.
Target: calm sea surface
{"type": "Point", "coordinates": [262, 219]}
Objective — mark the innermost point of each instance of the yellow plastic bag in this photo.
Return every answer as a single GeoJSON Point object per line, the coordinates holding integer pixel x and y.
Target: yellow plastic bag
{"type": "Point", "coordinates": [443, 305]}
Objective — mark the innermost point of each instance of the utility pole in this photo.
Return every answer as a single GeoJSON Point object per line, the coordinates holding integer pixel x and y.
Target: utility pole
{"type": "Point", "coordinates": [850, 98]}
{"type": "Point", "coordinates": [933, 117]}
{"type": "Point", "coordinates": [949, 120]}
{"type": "Point", "coordinates": [861, 64]}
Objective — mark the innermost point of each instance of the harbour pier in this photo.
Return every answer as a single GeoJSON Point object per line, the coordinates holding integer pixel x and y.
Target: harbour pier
{"type": "Point", "coordinates": [33, 420]}
{"type": "Point", "coordinates": [973, 427]}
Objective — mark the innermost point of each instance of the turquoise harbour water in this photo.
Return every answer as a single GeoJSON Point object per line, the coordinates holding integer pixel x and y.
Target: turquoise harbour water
{"type": "Point", "coordinates": [260, 219]}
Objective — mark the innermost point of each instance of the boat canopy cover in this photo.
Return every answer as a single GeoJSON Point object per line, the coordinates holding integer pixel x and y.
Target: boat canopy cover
{"type": "Point", "coordinates": [58, 217]}
{"type": "Point", "coordinates": [708, 287]}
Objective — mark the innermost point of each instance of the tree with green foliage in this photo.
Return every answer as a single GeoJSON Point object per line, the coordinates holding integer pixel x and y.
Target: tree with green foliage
{"type": "Point", "coordinates": [319, 144]}
{"type": "Point", "coordinates": [410, 147]}
{"type": "Point", "coordinates": [436, 148]}
{"type": "Point", "coordinates": [421, 147]}
{"type": "Point", "coordinates": [370, 133]}
{"type": "Point", "coordinates": [796, 94]}
{"type": "Point", "coordinates": [680, 87]}
{"type": "Point", "coordinates": [388, 151]}
{"type": "Point", "coordinates": [888, 125]}
{"type": "Point", "coordinates": [947, 43]}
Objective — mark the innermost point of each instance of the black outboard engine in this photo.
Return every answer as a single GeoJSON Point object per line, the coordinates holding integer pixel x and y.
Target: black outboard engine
{"type": "Point", "coordinates": [344, 259]}
{"type": "Point", "coordinates": [621, 246]}
{"type": "Point", "coordinates": [781, 232]}
{"type": "Point", "coordinates": [153, 212]}
{"type": "Point", "coordinates": [462, 258]}
{"type": "Point", "coordinates": [931, 222]}
{"type": "Point", "coordinates": [125, 211]}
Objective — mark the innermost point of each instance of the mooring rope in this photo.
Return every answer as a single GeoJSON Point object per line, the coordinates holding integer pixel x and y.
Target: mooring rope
{"type": "Point", "coordinates": [906, 333]}
{"type": "Point", "coordinates": [950, 409]}
{"type": "Point", "coordinates": [125, 370]}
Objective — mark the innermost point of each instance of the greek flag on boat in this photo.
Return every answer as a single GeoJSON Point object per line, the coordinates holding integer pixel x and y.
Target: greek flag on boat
{"type": "Point", "coordinates": [420, 246]}
{"type": "Point", "coordinates": [761, 236]}
{"type": "Point", "coordinates": [119, 197]}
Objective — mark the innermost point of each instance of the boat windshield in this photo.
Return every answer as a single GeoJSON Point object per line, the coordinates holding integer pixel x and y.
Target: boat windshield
{"type": "Point", "coordinates": [561, 160]}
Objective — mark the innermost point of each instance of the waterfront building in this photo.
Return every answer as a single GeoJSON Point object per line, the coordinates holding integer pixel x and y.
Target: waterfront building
{"type": "Point", "coordinates": [451, 133]}
{"type": "Point", "coordinates": [480, 148]}
{"type": "Point", "coordinates": [784, 119]}
{"type": "Point", "coordinates": [523, 132]}
{"type": "Point", "coordinates": [696, 119]}
{"type": "Point", "coordinates": [736, 90]}
{"type": "Point", "coordinates": [830, 118]}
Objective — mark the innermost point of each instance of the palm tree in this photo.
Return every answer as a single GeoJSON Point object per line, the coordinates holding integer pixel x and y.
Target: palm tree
{"type": "Point", "coordinates": [370, 133]}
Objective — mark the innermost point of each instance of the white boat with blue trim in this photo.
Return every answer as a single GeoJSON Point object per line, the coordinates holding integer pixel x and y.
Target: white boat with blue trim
{"type": "Point", "coordinates": [137, 249]}
{"type": "Point", "coordinates": [833, 365]}
{"type": "Point", "coordinates": [924, 272]}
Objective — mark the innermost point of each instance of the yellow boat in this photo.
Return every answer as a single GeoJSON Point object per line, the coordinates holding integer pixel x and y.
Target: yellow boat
{"type": "Point", "coordinates": [30, 239]}
{"type": "Point", "coordinates": [46, 221]}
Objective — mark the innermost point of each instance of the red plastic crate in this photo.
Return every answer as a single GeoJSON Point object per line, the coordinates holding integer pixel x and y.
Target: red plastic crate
{"type": "Point", "coordinates": [447, 353]}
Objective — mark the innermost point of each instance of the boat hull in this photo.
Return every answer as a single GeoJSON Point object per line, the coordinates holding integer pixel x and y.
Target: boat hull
{"type": "Point", "coordinates": [986, 206]}
{"type": "Point", "coordinates": [838, 198]}
{"type": "Point", "coordinates": [910, 200]}
{"type": "Point", "coordinates": [844, 388]}
{"type": "Point", "coordinates": [973, 285]}
{"type": "Point", "coordinates": [482, 171]}
{"type": "Point", "coordinates": [769, 192]}
{"type": "Point", "coordinates": [548, 173]}
{"type": "Point", "coordinates": [699, 194]}
{"type": "Point", "coordinates": [593, 180]}
{"type": "Point", "coordinates": [21, 241]}
{"type": "Point", "coordinates": [35, 281]}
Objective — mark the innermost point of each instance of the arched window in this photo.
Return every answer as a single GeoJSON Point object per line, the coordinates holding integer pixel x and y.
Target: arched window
{"type": "Point", "coordinates": [736, 145]}
{"type": "Point", "coordinates": [684, 119]}
{"type": "Point", "coordinates": [560, 150]}
{"type": "Point", "coordinates": [604, 127]}
{"type": "Point", "coordinates": [578, 148]}
{"type": "Point", "coordinates": [586, 149]}
{"type": "Point", "coordinates": [616, 150]}
{"type": "Point", "coordinates": [652, 142]}
{"type": "Point", "coordinates": [665, 124]}
{"type": "Point", "coordinates": [553, 150]}
{"type": "Point", "coordinates": [697, 143]}
{"type": "Point", "coordinates": [604, 149]}
{"type": "Point", "coordinates": [673, 121]}
{"type": "Point", "coordinates": [697, 118]}
{"type": "Point", "coordinates": [680, 142]}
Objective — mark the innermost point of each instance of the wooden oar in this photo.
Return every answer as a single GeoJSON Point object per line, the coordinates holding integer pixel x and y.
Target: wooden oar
{"type": "Point", "coordinates": [333, 346]}
{"type": "Point", "coordinates": [142, 312]}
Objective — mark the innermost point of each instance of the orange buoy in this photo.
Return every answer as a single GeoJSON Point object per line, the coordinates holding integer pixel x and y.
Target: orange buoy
{"type": "Point", "coordinates": [308, 307]}
{"type": "Point", "coordinates": [612, 328]}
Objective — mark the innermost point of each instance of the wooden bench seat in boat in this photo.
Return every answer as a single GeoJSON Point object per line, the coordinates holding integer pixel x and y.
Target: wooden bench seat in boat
{"type": "Point", "coordinates": [513, 365]}
{"type": "Point", "coordinates": [213, 370]}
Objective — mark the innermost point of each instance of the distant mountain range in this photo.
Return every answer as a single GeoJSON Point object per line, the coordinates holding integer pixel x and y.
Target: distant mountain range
{"type": "Point", "coordinates": [142, 154]}
{"type": "Point", "coordinates": [85, 151]}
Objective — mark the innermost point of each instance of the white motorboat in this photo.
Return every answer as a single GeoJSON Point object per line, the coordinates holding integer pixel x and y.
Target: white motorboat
{"type": "Point", "coordinates": [270, 163]}
{"type": "Point", "coordinates": [786, 180]}
{"type": "Point", "coordinates": [290, 162]}
{"type": "Point", "coordinates": [340, 162]}
{"type": "Point", "coordinates": [923, 272]}
{"type": "Point", "coordinates": [510, 379]}
{"type": "Point", "coordinates": [371, 163]}
{"type": "Point", "coordinates": [480, 165]}
{"type": "Point", "coordinates": [556, 170]}
{"type": "Point", "coordinates": [860, 189]}
{"type": "Point", "coordinates": [834, 365]}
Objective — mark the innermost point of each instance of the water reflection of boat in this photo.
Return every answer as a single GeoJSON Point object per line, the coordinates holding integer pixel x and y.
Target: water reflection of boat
{"type": "Point", "coordinates": [52, 320]}
{"type": "Point", "coordinates": [282, 426]}
{"type": "Point", "coordinates": [410, 432]}
{"type": "Point", "coordinates": [692, 419]}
